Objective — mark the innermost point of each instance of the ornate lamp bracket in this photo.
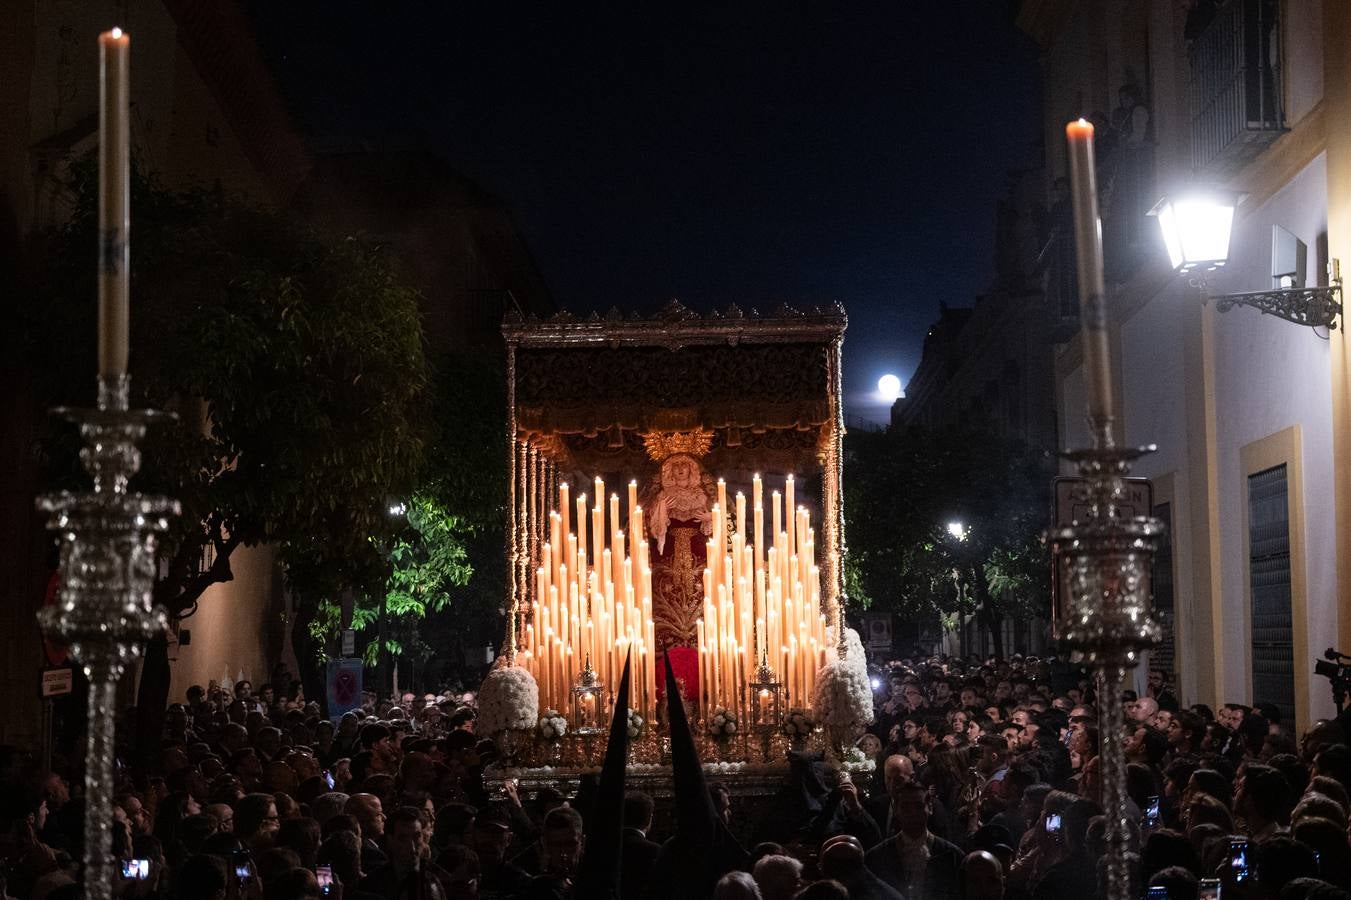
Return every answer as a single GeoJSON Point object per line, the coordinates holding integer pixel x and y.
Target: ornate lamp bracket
{"type": "Point", "coordinates": [1314, 306]}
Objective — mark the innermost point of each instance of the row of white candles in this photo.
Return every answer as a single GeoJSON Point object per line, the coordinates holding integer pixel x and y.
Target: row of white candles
{"type": "Point", "coordinates": [761, 601]}
{"type": "Point", "coordinates": [756, 601]}
{"type": "Point", "coordinates": [587, 611]}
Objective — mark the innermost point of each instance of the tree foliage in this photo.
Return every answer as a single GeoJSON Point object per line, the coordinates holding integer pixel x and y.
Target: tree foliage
{"type": "Point", "coordinates": [903, 487]}
{"type": "Point", "coordinates": [296, 365]}
{"type": "Point", "coordinates": [429, 565]}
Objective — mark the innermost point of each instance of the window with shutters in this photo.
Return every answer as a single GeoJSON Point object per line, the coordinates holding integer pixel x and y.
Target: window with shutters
{"type": "Point", "coordinates": [1273, 673]}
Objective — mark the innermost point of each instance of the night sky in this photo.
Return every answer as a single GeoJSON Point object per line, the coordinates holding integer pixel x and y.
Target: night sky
{"type": "Point", "coordinates": [742, 153]}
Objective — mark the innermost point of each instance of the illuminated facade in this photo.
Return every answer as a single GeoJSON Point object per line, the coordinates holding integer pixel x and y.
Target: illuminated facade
{"type": "Point", "coordinates": [1252, 414]}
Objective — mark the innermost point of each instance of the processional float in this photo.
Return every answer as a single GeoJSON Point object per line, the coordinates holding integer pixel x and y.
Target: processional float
{"type": "Point", "coordinates": [675, 493]}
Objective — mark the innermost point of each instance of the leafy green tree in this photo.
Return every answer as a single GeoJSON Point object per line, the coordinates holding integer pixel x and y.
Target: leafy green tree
{"type": "Point", "coordinates": [296, 365]}
{"type": "Point", "coordinates": [429, 563]}
{"type": "Point", "coordinates": [903, 487]}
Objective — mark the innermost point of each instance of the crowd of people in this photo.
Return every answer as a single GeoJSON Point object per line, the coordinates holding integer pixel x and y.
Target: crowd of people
{"type": "Point", "coordinates": [987, 785]}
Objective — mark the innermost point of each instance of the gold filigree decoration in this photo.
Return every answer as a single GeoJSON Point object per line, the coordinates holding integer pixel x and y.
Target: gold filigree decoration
{"type": "Point", "coordinates": [677, 600]}
{"type": "Point", "coordinates": [662, 445]}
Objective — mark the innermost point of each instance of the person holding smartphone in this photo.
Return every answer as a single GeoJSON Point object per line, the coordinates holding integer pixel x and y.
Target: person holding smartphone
{"type": "Point", "coordinates": [1075, 875]}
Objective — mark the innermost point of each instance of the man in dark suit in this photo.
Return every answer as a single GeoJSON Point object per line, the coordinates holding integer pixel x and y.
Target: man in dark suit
{"type": "Point", "coordinates": [640, 853]}
{"type": "Point", "coordinates": [914, 861]}
{"type": "Point", "coordinates": [490, 837]}
{"type": "Point", "coordinates": [842, 860]}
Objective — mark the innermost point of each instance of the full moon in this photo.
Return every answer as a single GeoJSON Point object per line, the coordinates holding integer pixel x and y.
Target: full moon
{"type": "Point", "coordinates": [889, 386]}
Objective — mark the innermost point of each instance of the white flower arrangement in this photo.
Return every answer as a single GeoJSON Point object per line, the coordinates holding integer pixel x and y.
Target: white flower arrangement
{"type": "Point", "coordinates": [723, 723]}
{"type": "Point", "coordinates": [636, 724]}
{"type": "Point", "coordinates": [799, 723]}
{"type": "Point", "coordinates": [844, 696]}
{"type": "Point", "coordinates": [854, 651]}
{"type": "Point", "coordinates": [552, 725]}
{"type": "Point", "coordinates": [508, 699]}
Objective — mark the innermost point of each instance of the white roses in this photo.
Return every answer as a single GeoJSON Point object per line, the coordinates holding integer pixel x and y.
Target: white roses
{"type": "Point", "coordinates": [799, 723]}
{"type": "Point", "coordinates": [508, 699]}
{"type": "Point", "coordinates": [552, 725]}
{"type": "Point", "coordinates": [723, 723]}
{"type": "Point", "coordinates": [635, 725]}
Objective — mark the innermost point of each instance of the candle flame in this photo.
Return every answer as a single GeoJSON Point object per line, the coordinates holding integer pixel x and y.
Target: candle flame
{"type": "Point", "coordinates": [115, 33]}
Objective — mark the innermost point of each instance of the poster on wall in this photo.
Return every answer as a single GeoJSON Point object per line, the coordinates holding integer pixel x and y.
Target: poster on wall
{"type": "Point", "coordinates": [344, 686]}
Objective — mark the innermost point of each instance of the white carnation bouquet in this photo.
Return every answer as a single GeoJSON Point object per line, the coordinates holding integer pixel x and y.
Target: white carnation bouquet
{"type": "Point", "coordinates": [552, 725]}
{"type": "Point", "coordinates": [844, 697]}
{"type": "Point", "coordinates": [636, 724]}
{"type": "Point", "coordinates": [853, 645]}
{"type": "Point", "coordinates": [508, 699]}
{"type": "Point", "coordinates": [723, 723]}
{"type": "Point", "coordinates": [798, 723]}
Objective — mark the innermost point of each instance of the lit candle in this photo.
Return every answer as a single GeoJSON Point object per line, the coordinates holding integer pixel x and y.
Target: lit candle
{"type": "Point", "coordinates": [703, 664]}
{"type": "Point", "coordinates": [1092, 286]}
{"type": "Point", "coordinates": [788, 508]}
{"type": "Point", "coordinates": [114, 202]}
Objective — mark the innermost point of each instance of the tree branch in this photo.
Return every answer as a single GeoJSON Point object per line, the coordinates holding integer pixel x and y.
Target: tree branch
{"type": "Point", "coordinates": [219, 572]}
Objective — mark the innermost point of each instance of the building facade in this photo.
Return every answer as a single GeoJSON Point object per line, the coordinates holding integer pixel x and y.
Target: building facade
{"type": "Point", "coordinates": [1251, 414]}
{"type": "Point", "coordinates": [990, 365]}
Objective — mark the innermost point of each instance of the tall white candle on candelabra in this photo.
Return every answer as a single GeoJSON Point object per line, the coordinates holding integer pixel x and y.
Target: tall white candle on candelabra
{"type": "Point", "coordinates": [114, 262]}
{"type": "Point", "coordinates": [1092, 283]}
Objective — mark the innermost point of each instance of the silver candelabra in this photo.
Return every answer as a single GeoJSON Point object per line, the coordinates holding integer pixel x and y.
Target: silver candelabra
{"type": "Point", "coordinates": [108, 539]}
{"type": "Point", "coordinates": [1105, 622]}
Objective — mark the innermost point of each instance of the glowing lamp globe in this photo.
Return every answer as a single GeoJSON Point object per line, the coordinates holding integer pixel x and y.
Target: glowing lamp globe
{"type": "Point", "coordinates": [889, 386]}
{"type": "Point", "coordinates": [1196, 228]}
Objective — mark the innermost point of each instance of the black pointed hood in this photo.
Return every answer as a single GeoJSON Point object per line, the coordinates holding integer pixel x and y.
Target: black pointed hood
{"type": "Point", "coordinates": [695, 815]}
{"type": "Point", "coordinates": [702, 849]}
{"type": "Point", "coordinates": [598, 875]}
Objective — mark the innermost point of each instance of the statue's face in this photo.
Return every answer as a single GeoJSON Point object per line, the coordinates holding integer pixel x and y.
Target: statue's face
{"type": "Point", "coordinates": [679, 472]}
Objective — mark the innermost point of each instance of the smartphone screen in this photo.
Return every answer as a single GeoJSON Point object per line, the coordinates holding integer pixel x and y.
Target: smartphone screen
{"type": "Point", "coordinates": [243, 865]}
{"type": "Point", "coordinates": [1157, 893]}
{"type": "Point", "coordinates": [324, 875]}
{"type": "Point", "coordinates": [1053, 823]}
{"type": "Point", "coordinates": [1238, 860]}
{"type": "Point", "coordinates": [1152, 812]}
{"type": "Point", "coordinates": [138, 869]}
{"type": "Point", "coordinates": [1208, 889]}
{"type": "Point", "coordinates": [328, 779]}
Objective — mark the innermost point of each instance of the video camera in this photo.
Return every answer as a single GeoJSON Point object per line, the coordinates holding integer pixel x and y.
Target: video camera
{"type": "Point", "coordinates": [1336, 668]}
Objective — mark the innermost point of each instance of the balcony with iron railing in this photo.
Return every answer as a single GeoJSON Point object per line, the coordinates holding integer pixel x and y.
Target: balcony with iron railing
{"type": "Point", "coordinates": [1235, 68]}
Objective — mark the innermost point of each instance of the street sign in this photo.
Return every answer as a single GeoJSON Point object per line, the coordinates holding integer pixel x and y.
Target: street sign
{"type": "Point", "coordinates": [349, 642]}
{"type": "Point", "coordinates": [57, 682]}
{"type": "Point", "coordinates": [344, 686]}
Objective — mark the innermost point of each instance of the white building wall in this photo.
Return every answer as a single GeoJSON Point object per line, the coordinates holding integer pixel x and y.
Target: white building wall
{"type": "Point", "coordinates": [1269, 376]}
{"type": "Point", "coordinates": [1154, 411]}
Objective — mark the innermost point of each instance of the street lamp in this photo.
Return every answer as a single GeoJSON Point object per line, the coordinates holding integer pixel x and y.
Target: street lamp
{"type": "Point", "coordinates": [1197, 228]}
{"type": "Point", "coordinates": [957, 530]}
